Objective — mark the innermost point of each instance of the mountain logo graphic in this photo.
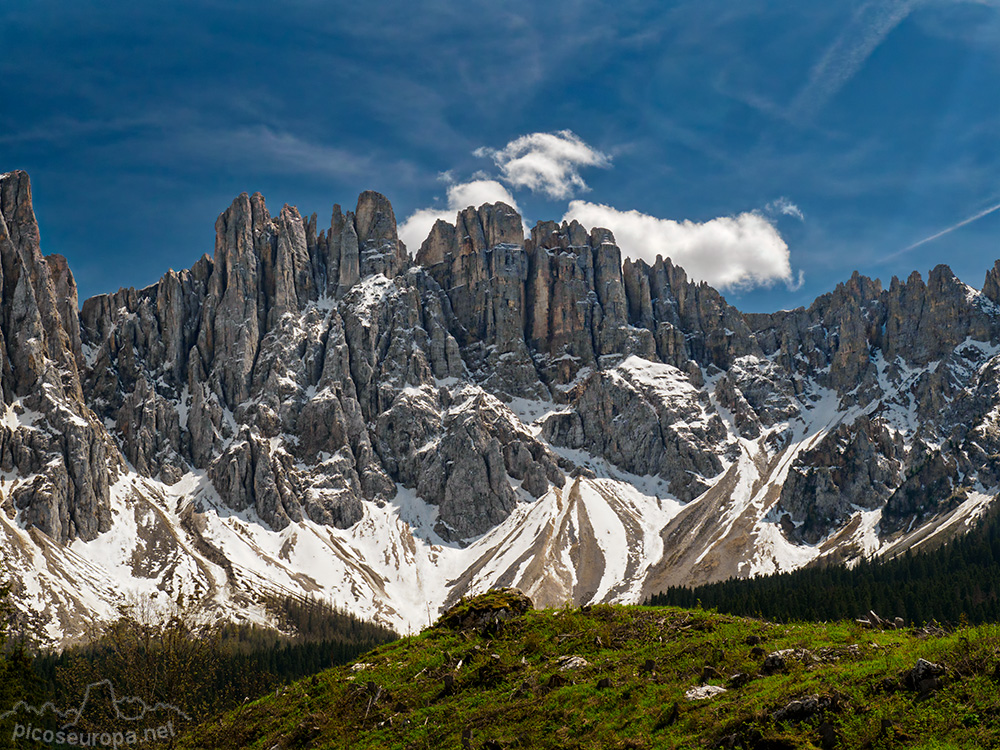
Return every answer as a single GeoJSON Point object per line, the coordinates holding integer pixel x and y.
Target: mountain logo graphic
{"type": "Point", "coordinates": [135, 721]}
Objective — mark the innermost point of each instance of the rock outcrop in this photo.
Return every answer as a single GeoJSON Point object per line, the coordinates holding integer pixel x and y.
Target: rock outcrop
{"type": "Point", "coordinates": [855, 466]}
{"type": "Point", "coordinates": [646, 418]}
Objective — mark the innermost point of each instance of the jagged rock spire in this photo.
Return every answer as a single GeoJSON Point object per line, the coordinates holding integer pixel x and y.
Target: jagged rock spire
{"type": "Point", "coordinates": [66, 449]}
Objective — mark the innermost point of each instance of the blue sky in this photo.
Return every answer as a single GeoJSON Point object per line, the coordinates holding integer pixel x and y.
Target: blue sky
{"type": "Point", "coordinates": [777, 146]}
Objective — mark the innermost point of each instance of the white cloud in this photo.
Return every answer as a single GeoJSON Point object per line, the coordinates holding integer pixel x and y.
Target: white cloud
{"type": "Point", "coordinates": [461, 195]}
{"type": "Point", "coordinates": [476, 193]}
{"type": "Point", "coordinates": [784, 207]}
{"type": "Point", "coordinates": [546, 162]}
{"type": "Point", "coordinates": [731, 252]}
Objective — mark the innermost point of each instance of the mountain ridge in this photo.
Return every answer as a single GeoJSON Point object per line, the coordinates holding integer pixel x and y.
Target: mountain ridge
{"type": "Point", "coordinates": [314, 412]}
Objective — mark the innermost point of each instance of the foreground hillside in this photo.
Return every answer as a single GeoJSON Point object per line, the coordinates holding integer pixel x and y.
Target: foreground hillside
{"type": "Point", "coordinates": [629, 677]}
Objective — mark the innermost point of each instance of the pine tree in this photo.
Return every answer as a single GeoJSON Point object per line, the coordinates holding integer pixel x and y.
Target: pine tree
{"type": "Point", "coordinates": [960, 577]}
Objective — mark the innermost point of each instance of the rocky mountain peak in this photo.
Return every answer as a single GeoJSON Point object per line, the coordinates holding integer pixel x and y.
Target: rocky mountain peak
{"type": "Point", "coordinates": [501, 224]}
{"type": "Point", "coordinates": [860, 289]}
{"type": "Point", "coordinates": [925, 321]}
{"type": "Point", "coordinates": [375, 218]}
{"type": "Point", "coordinates": [991, 285]}
{"type": "Point", "coordinates": [61, 447]}
{"type": "Point", "coordinates": [16, 207]}
{"type": "Point", "coordinates": [439, 242]}
{"type": "Point", "coordinates": [41, 319]}
{"type": "Point", "coordinates": [380, 248]}
{"type": "Point", "coordinates": [67, 303]}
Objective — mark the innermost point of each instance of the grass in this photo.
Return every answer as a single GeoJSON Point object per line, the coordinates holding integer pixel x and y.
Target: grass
{"type": "Point", "coordinates": [455, 687]}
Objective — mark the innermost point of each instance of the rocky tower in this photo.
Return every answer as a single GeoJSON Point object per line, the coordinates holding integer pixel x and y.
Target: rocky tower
{"type": "Point", "coordinates": [59, 450]}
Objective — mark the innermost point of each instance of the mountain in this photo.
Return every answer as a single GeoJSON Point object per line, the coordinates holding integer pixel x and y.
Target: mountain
{"type": "Point", "coordinates": [315, 412]}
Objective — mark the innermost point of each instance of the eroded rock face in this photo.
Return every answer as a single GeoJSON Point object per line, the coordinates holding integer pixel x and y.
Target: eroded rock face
{"type": "Point", "coordinates": [930, 485]}
{"type": "Point", "coordinates": [48, 434]}
{"type": "Point", "coordinates": [855, 466]}
{"type": "Point", "coordinates": [481, 265]}
{"type": "Point", "coordinates": [689, 321]}
{"type": "Point", "coordinates": [832, 340]}
{"type": "Point", "coordinates": [379, 248]}
{"type": "Point", "coordinates": [460, 453]}
{"type": "Point", "coordinates": [460, 448]}
{"type": "Point", "coordinates": [758, 393]}
{"type": "Point", "coordinates": [286, 367]}
{"type": "Point", "coordinates": [577, 309]}
{"type": "Point", "coordinates": [646, 418]}
{"type": "Point", "coordinates": [308, 371]}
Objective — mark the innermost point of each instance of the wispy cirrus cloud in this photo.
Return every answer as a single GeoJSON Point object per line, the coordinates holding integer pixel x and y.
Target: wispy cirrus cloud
{"type": "Point", "coordinates": [68, 130]}
{"type": "Point", "coordinates": [730, 252]}
{"type": "Point", "coordinates": [784, 207]}
{"type": "Point", "coordinates": [546, 162]}
{"type": "Point", "coordinates": [848, 53]}
{"type": "Point", "coordinates": [187, 139]}
{"type": "Point", "coordinates": [937, 235]}
{"type": "Point", "coordinates": [276, 151]}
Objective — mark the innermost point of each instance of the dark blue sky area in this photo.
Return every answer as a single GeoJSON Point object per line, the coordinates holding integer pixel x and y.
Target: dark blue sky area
{"type": "Point", "coordinates": [879, 121]}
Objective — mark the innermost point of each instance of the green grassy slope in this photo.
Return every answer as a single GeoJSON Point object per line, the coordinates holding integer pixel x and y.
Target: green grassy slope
{"type": "Point", "coordinates": [510, 686]}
